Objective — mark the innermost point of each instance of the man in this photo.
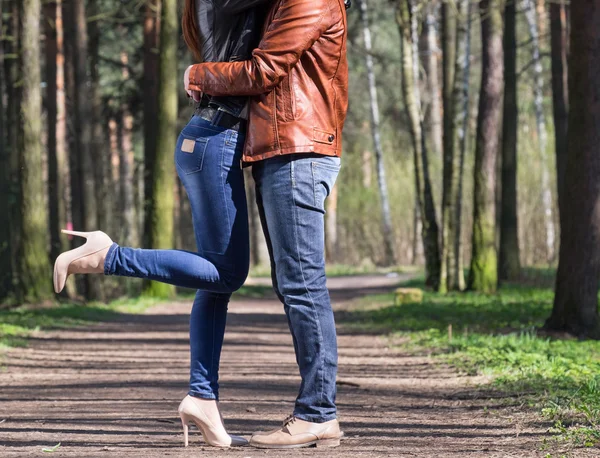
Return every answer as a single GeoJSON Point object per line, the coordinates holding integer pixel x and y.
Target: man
{"type": "Point", "coordinates": [299, 79]}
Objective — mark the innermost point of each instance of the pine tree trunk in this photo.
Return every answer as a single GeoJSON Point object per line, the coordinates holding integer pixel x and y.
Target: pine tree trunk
{"type": "Point", "coordinates": [531, 15]}
{"type": "Point", "coordinates": [13, 143]}
{"type": "Point", "coordinates": [163, 173]}
{"type": "Point", "coordinates": [82, 166]}
{"type": "Point", "coordinates": [74, 158]}
{"type": "Point", "coordinates": [509, 264]}
{"type": "Point", "coordinates": [99, 148]}
{"type": "Point", "coordinates": [56, 153]}
{"type": "Point", "coordinates": [483, 275]}
{"type": "Point", "coordinates": [407, 22]}
{"type": "Point", "coordinates": [34, 280]}
{"type": "Point", "coordinates": [576, 300]}
{"type": "Point", "coordinates": [5, 264]}
{"type": "Point", "coordinates": [388, 232]}
{"type": "Point", "coordinates": [127, 166]}
{"type": "Point", "coordinates": [560, 97]}
{"type": "Point", "coordinates": [150, 84]}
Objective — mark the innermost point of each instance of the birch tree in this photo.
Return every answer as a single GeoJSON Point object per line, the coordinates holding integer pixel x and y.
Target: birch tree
{"type": "Point", "coordinates": [408, 25]}
{"type": "Point", "coordinates": [388, 233]}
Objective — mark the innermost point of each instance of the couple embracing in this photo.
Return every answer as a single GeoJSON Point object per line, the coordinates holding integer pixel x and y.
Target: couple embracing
{"type": "Point", "coordinates": [271, 93]}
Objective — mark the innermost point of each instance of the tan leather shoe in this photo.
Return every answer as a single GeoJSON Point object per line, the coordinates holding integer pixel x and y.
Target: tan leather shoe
{"type": "Point", "coordinates": [297, 433]}
{"type": "Point", "coordinates": [86, 259]}
{"type": "Point", "coordinates": [205, 414]}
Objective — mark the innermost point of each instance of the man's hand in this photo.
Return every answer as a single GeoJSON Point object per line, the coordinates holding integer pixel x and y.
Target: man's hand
{"type": "Point", "coordinates": [197, 96]}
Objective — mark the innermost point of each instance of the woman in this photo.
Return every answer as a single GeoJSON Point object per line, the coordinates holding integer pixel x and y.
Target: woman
{"type": "Point", "coordinates": [207, 157]}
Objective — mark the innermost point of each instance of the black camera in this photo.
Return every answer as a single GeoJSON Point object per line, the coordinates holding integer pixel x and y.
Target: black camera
{"type": "Point", "coordinates": [348, 3]}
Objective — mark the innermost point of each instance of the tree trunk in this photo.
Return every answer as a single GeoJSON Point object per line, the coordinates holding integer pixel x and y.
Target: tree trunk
{"type": "Point", "coordinates": [34, 264]}
{"type": "Point", "coordinates": [560, 97]}
{"type": "Point", "coordinates": [407, 22]}
{"type": "Point", "coordinates": [531, 15]}
{"type": "Point", "coordinates": [5, 246]}
{"type": "Point", "coordinates": [388, 232]}
{"type": "Point", "coordinates": [509, 264]}
{"type": "Point", "coordinates": [163, 173]}
{"type": "Point", "coordinates": [100, 156]}
{"type": "Point", "coordinates": [81, 153]}
{"type": "Point", "coordinates": [57, 160]}
{"type": "Point", "coordinates": [431, 66]}
{"type": "Point", "coordinates": [13, 145]}
{"type": "Point", "coordinates": [483, 275]}
{"type": "Point", "coordinates": [253, 219]}
{"type": "Point", "coordinates": [454, 155]}
{"type": "Point", "coordinates": [331, 236]}
{"type": "Point", "coordinates": [576, 300]}
{"type": "Point", "coordinates": [127, 166]}
{"type": "Point", "coordinates": [449, 29]}
{"type": "Point", "coordinates": [458, 271]}
{"type": "Point", "coordinates": [150, 84]}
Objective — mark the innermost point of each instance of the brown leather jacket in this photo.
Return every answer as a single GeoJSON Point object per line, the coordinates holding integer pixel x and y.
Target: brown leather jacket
{"type": "Point", "coordinates": [299, 77]}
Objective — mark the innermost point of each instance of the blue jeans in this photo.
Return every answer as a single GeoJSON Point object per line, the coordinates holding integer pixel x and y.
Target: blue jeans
{"type": "Point", "coordinates": [291, 192]}
{"type": "Point", "coordinates": [207, 159]}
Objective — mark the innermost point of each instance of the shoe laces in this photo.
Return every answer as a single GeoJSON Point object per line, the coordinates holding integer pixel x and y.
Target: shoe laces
{"type": "Point", "coordinates": [289, 420]}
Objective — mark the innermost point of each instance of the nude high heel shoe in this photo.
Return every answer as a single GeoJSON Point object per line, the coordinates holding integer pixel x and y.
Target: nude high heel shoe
{"type": "Point", "coordinates": [86, 259]}
{"type": "Point", "coordinates": [204, 413]}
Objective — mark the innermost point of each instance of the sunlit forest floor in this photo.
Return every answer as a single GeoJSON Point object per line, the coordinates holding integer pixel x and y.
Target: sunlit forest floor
{"type": "Point", "coordinates": [105, 380]}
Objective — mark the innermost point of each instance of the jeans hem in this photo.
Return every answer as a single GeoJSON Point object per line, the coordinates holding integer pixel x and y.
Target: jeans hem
{"type": "Point", "coordinates": [202, 395]}
{"type": "Point", "coordinates": [110, 257]}
{"type": "Point", "coordinates": [315, 418]}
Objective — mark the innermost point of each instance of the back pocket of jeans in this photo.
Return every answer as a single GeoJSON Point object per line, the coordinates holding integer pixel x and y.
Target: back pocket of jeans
{"type": "Point", "coordinates": [189, 154]}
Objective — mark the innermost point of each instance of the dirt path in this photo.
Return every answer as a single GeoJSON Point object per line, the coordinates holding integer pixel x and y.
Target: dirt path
{"type": "Point", "coordinates": [113, 389]}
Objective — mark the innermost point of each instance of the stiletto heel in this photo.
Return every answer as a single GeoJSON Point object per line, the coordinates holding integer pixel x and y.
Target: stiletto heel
{"type": "Point", "coordinates": [85, 235]}
{"type": "Point", "coordinates": [204, 413]}
{"type": "Point", "coordinates": [86, 259]}
{"type": "Point", "coordinates": [185, 432]}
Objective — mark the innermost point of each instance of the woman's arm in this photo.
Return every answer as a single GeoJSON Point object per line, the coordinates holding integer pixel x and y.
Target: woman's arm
{"type": "Point", "coordinates": [295, 28]}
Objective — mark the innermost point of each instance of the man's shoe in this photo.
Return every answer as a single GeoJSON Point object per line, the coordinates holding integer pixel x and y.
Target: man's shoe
{"type": "Point", "coordinates": [297, 433]}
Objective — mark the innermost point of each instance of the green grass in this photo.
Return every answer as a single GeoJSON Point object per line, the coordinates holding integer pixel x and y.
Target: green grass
{"type": "Point", "coordinates": [495, 335]}
{"type": "Point", "coordinates": [16, 324]}
{"type": "Point", "coordinates": [342, 270]}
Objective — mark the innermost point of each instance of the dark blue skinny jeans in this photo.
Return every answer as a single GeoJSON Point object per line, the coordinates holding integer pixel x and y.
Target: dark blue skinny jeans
{"type": "Point", "coordinates": [207, 159]}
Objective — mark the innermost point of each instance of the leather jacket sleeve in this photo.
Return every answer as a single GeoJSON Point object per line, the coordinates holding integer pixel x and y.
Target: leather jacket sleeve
{"type": "Point", "coordinates": [236, 6]}
{"type": "Point", "coordinates": [297, 25]}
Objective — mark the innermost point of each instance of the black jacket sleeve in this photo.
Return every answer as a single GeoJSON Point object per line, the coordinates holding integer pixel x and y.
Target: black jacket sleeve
{"type": "Point", "coordinates": [237, 6]}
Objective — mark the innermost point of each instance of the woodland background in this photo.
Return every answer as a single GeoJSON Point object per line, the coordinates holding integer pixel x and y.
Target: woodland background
{"type": "Point", "coordinates": [457, 156]}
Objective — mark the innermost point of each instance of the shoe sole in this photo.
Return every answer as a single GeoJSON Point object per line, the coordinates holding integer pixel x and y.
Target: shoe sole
{"type": "Point", "coordinates": [324, 443]}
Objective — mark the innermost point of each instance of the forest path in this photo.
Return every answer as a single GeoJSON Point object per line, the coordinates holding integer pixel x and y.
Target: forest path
{"type": "Point", "coordinates": [112, 390]}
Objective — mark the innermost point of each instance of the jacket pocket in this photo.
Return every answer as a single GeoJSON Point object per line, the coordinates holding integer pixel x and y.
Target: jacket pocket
{"type": "Point", "coordinates": [323, 136]}
{"type": "Point", "coordinates": [189, 153]}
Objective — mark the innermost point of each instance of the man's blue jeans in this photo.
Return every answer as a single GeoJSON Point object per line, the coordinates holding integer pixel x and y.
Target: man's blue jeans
{"type": "Point", "coordinates": [291, 194]}
{"type": "Point", "coordinates": [207, 159]}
